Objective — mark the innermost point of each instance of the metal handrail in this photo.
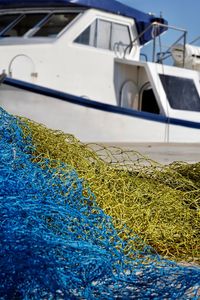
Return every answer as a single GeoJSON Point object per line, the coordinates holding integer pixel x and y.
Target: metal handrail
{"type": "Point", "coordinates": [157, 25]}
{"type": "Point", "coordinates": [195, 40]}
{"type": "Point", "coordinates": [167, 52]}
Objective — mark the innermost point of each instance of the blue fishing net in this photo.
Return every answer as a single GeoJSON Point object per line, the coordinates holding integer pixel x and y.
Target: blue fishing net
{"type": "Point", "coordinates": [56, 243]}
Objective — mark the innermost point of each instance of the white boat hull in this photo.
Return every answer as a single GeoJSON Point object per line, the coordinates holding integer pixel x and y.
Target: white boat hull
{"type": "Point", "coordinates": [88, 120]}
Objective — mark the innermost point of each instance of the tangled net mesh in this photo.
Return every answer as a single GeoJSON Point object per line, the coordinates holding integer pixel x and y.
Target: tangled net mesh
{"type": "Point", "coordinates": [55, 240]}
{"type": "Point", "coordinates": [159, 203]}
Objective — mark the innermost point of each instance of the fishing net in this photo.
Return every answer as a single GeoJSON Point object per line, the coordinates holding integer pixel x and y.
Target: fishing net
{"type": "Point", "coordinates": [159, 203]}
{"type": "Point", "coordinates": [55, 240]}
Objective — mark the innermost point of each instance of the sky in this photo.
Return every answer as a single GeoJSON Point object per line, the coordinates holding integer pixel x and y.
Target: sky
{"type": "Point", "coordinates": [180, 13]}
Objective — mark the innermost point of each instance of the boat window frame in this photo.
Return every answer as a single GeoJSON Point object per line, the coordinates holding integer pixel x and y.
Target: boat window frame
{"type": "Point", "coordinates": [107, 19]}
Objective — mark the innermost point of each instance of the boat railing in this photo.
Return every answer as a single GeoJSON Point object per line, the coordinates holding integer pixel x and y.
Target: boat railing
{"type": "Point", "coordinates": [160, 51]}
{"type": "Point", "coordinates": [195, 40]}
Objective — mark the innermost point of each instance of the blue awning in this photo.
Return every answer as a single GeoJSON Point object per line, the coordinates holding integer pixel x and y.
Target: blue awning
{"type": "Point", "coordinates": [142, 19]}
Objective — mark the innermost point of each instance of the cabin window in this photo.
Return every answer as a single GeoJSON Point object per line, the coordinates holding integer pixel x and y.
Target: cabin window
{"type": "Point", "coordinates": [54, 24]}
{"type": "Point", "coordinates": [105, 35]}
{"type": "Point", "coordinates": [120, 33]}
{"type": "Point", "coordinates": [88, 36]}
{"type": "Point", "coordinates": [24, 24]}
{"type": "Point", "coordinates": [7, 20]}
{"type": "Point", "coordinates": [181, 93]}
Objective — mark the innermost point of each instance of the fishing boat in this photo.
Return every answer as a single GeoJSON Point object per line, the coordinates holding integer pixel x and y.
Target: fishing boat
{"type": "Point", "coordinates": [79, 66]}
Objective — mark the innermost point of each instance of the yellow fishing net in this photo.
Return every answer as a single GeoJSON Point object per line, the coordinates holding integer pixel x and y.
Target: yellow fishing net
{"type": "Point", "coordinates": [159, 203]}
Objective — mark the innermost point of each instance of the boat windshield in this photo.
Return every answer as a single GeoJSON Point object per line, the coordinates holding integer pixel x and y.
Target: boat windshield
{"type": "Point", "coordinates": [37, 24]}
{"type": "Point", "coordinates": [21, 24]}
{"type": "Point", "coordinates": [181, 93]}
{"type": "Point", "coordinates": [6, 20]}
{"type": "Point", "coordinates": [54, 24]}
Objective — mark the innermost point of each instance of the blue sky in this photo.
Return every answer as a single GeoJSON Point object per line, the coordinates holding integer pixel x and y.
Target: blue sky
{"type": "Point", "coordinates": [181, 13]}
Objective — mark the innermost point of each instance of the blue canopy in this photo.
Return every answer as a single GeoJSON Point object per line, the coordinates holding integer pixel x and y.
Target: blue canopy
{"type": "Point", "coordinates": [142, 19]}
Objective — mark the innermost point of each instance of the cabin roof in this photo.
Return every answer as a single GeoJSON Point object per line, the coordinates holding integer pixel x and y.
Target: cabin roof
{"type": "Point", "coordinates": [143, 20]}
